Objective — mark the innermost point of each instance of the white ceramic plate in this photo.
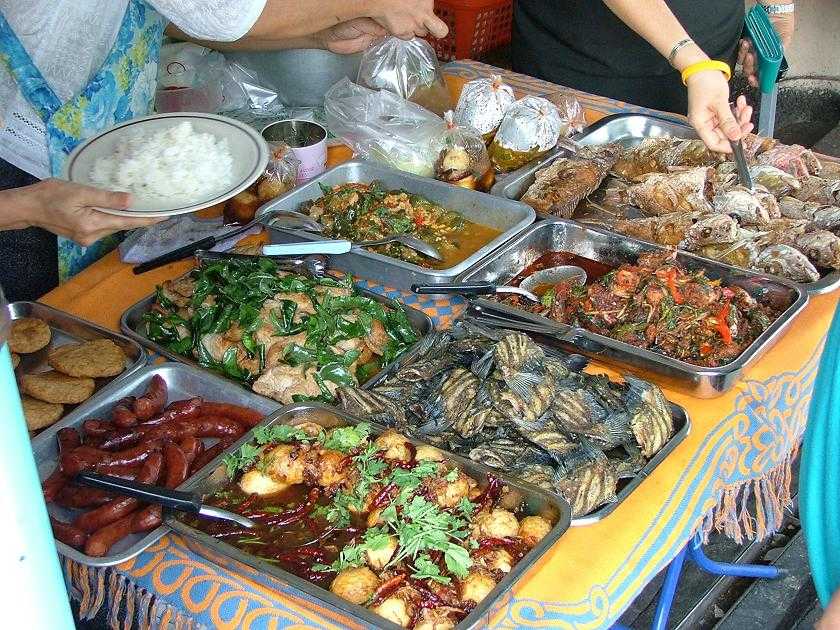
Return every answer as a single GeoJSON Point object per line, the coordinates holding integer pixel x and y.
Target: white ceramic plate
{"type": "Point", "coordinates": [247, 148]}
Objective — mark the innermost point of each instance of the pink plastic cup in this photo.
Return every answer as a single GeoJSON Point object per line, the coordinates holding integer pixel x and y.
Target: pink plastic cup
{"type": "Point", "coordinates": [308, 141]}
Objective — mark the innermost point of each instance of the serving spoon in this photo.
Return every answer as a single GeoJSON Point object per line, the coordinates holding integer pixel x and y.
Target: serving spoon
{"type": "Point", "coordinates": [554, 275]}
{"type": "Point", "coordinates": [409, 241]}
{"type": "Point", "coordinates": [173, 499]}
{"type": "Point", "coordinates": [472, 288]}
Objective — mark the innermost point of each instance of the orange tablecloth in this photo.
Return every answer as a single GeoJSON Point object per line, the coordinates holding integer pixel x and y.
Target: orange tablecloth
{"type": "Point", "coordinates": [740, 445]}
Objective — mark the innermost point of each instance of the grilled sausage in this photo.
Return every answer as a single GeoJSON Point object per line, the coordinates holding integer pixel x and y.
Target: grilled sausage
{"type": "Point", "coordinates": [248, 418]}
{"type": "Point", "coordinates": [153, 401]}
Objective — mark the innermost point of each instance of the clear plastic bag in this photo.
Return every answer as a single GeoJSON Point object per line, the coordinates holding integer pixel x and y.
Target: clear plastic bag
{"type": "Point", "coordinates": [463, 158]}
{"type": "Point", "coordinates": [279, 177]}
{"type": "Point", "coordinates": [409, 69]}
{"type": "Point", "coordinates": [530, 128]}
{"type": "Point", "coordinates": [571, 113]}
{"type": "Point", "coordinates": [483, 104]}
{"type": "Point", "coordinates": [383, 127]}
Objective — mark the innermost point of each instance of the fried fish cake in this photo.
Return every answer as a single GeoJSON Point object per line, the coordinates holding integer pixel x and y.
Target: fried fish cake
{"type": "Point", "coordinates": [40, 414]}
{"type": "Point", "coordinates": [91, 359]}
{"type": "Point", "coordinates": [54, 387]}
{"type": "Point", "coordinates": [29, 334]}
{"type": "Point", "coordinates": [15, 360]}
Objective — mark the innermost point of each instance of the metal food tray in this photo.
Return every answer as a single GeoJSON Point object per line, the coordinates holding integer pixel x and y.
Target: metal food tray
{"type": "Point", "coordinates": [511, 217]}
{"type": "Point", "coordinates": [213, 476]}
{"type": "Point", "coordinates": [67, 328]}
{"type": "Point", "coordinates": [625, 487]}
{"type": "Point", "coordinates": [183, 382]}
{"type": "Point", "coordinates": [615, 249]}
{"type": "Point", "coordinates": [132, 325]}
{"type": "Point", "coordinates": [628, 130]}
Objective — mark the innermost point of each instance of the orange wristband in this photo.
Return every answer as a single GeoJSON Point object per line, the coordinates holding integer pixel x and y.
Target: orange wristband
{"type": "Point", "coordinates": [701, 66]}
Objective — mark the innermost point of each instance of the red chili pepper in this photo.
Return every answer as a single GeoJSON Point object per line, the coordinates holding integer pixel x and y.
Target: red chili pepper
{"type": "Point", "coordinates": [385, 589]}
{"type": "Point", "coordinates": [671, 279]}
{"type": "Point", "coordinates": [418, 220]}
{"type": "Point", "coordinates": [705, 349]}
{"type": "Point", "coordinates": [296, 514]}
{"type": "Point", "coordinates": [491, 493]}
{"type": "Point", "coordinates": [723, 325]}
{"type": "Point", "coordinates": [383, 497]}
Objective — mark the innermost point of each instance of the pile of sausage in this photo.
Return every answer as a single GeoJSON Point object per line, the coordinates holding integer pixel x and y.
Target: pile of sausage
{"type": "Point", "coordinates": [147, 441]}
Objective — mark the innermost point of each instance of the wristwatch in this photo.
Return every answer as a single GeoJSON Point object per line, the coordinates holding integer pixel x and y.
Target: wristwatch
{"type": "Point", "coordinates": [778, 9]}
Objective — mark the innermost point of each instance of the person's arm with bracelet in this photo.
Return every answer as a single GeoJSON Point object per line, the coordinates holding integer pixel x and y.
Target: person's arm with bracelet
{"type": "Point", "coordinates": [782, 14]}
{"type": "Point", "coordinates": [66, 209]}
{"type": "Point", "coordinates": [707, 83]}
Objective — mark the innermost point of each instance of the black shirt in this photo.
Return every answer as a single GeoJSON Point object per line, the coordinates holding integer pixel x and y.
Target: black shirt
{"type": "Point", "coordinates": [582, 44]}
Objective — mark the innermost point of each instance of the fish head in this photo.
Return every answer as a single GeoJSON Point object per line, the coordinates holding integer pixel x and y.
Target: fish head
{"type": "Point", "coordinates": [717, 228]}
{"type": "Point", "coordinates": [743, 205]}
{"type": "Point", "coordinates": [785, 261]}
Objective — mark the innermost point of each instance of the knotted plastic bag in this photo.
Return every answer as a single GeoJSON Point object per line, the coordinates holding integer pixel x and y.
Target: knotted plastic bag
{"type": "Point", "coordinates": [530, 128]}
{"type": "Point", "coordinates": [463, 158]}
{"type": "Point", "coordinates": [571, 114]}
{"type": "Point", "coordinates": [279, 177]}
{"type": "Point", "coordinates": [483, 104]}
{"type": "Point", "coordinates": [409, 69]}
{"type": "Point", "coordinates": [384, 127]}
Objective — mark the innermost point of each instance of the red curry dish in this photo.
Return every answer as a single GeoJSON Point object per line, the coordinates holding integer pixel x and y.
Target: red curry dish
{"type": "Point", "coordinates": [658, 305]}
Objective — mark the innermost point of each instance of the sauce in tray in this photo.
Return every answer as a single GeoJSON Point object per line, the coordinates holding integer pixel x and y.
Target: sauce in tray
{"type": "Point", "coordinates": [594, 270]}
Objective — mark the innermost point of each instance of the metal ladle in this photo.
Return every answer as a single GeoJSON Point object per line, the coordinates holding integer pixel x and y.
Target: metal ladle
{"type": "Point", "coordinates": [409, 241]}
{"type": "Point", "coordinates": [554, 275]}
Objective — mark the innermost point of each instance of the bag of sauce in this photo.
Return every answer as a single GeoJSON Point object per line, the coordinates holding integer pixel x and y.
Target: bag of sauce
{"type": "Point", "coordinates": [529, 129]}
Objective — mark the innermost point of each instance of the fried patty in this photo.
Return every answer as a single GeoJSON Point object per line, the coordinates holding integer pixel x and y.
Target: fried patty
{"type": "Point", "coordinates": [29, 334]}
{"type": "Point", "coordinates": [91, 359]}
{"type": "Point", "coordinates": [54, 387]}
{"type": "Point", "coordinates": [40, 414]}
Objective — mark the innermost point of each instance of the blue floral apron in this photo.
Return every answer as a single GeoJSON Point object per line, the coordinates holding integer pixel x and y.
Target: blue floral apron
{"type": "Point", "coordinates": [122, 89]}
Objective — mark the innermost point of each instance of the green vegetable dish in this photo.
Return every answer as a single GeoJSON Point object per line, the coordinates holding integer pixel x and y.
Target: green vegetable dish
{"type": "Point", "coordinates": [290, 337]}
{"type": "Point", "coordinates": [380, 522]}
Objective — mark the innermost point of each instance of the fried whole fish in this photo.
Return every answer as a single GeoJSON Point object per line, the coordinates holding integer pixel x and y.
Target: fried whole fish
{"type": "Point", "coordinates": [778, 182]}
{"type": "Point", "coordinates": [743, 205]}
{"type": "Point", "coordinates": [710, 230]}
{"type": "Point", "coordinates": [665, 193]}
{"type": "Point", "coordinates": [563, 184]}
{"type": "Point", "coordinates": [820, 246]}
{"type": "Point", "coordinates": [659, 155]}
{"type": "Point", "coordinates": [792, 158]}
{"type": "Point", "coordinates": [788, 262]}
{"type": "Point", "coordinates": [668, 229]}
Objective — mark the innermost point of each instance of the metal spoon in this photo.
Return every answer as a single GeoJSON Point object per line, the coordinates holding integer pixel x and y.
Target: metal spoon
{"type": "Point", "coordinates": [181, 501]}
{"type": "Point", "coordinates": [409, 241]}
{"type": "Point", "coordinates": [473, 288]}
{"type": "Point", "coordinates": [554, 275]}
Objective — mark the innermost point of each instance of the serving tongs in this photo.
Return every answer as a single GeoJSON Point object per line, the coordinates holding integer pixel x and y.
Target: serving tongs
{"type": "Point", "coordinates": [172, 499]}
{"type": "Point", "coordinates": [279, 218]}
{"type": "Point", "coordinates": [472, 288]}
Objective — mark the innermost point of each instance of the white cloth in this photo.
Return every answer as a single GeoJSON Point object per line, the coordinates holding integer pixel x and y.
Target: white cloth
{"type": "Point", "coordinates": [69, 39]}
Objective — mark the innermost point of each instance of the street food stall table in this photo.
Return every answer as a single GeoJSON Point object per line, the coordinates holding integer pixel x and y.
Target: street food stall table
{"type": "Point", "coordinates": [737, 455]}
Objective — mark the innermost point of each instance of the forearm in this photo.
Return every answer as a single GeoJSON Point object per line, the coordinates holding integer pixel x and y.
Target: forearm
{"type": "Point", "coordinates": [13, 207]}
{"type": "Point", "coordinates": [248, 43]}
{"type": "Point", "coordinates": [283, 20]}
{"type": "Point", "coordinates": [655, 23]}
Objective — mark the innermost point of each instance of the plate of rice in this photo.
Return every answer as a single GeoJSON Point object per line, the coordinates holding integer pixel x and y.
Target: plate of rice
{"type": "Point", "coordinates": [171, 163]}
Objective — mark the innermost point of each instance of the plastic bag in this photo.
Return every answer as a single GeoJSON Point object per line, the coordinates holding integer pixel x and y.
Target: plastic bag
{"type": "Point", "coordinates": [463, 158]}
{"type": "Point", "coordinates": [530, 128]}
{"type": "Point", "coordinates": [279, 177]}
{"type": "Point", "coordinates": [483, 104]}
{"type": "Point", "coordinates": [409, 69]}
{"type": "Point", "coordinates": [189, 79]}
{"type": "Point", "coordinates": [383, 127]}
{"type": "Point", "coordinates": [571, 114]}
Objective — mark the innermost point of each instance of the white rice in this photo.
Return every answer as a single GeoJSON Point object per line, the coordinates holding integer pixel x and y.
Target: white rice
{"type": "Point", "coordinates": [174, 163]}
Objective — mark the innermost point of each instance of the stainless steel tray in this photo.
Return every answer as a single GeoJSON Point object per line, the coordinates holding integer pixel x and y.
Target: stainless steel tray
{"type": "Point", "coordinates": [615, 249]}
{"type": "Point", "coordinates": [682, 425]}
{"type": "Point", "coordinates": [183, 382]}
{"type": "Point", "coordinates": [511, 217]}
{"type": "Point", "coordinates": [131, 324]}
{"type": "Point", "coordinates": [535, 500]}
{"type": "Point", "coordinates": [67, 328]}
{"type": "Point", "coordinates": [629, 130]}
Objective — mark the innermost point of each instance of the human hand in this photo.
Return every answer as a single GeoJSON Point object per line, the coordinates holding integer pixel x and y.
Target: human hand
{"type": "Point", "coordinates": [407, 19]}
{"type": "Point", "coordinates": [710, 114]}
{"type": "Point", "coordinates": [785, 24]}
{"type": "Point", "coordinates": [351, 37]}
{"type": "Point", "coordinates": [67, 209]}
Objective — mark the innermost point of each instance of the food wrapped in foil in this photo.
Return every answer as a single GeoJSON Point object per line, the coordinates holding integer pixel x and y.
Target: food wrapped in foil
{"type": "Point", "coordinates": [483, 104]}
{"type": "Point", "coordinates": [530, 128]}
{"type": "Point", "coordinates": [571, 113]}
{"type": "Point", "coordinates": [463, 159]}
{"type": "Point", "coordinates": [409, 69]}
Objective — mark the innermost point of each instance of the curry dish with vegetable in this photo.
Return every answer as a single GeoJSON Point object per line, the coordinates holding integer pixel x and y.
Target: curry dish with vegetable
{"type": "Point", "coordinates": [290, 337]}
{"type": "Point", "coordinates": [378, 521]}
{"type": "Point", "coordinates": [368, 212]}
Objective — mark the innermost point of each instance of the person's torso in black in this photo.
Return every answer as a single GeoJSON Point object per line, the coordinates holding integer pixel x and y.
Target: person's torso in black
{"type": "Point", "coordinates": [582, 44]}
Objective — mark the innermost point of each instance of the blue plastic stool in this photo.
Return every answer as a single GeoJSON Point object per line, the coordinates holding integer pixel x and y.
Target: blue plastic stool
{"type": "Point", "coordinates": [694, 551]}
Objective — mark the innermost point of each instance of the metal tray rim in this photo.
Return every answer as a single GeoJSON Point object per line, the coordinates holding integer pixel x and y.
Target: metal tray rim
{"type": "Point", "coordinates": [80, 413]}
{"type": "Point", "coordinates": [475, 616]}
{"type": "Point", "coordinates": [826, 284]}
{"type": "Point", "coordinates": [528, 219]}
{"type": "Point", "coordinates": [746, 358]}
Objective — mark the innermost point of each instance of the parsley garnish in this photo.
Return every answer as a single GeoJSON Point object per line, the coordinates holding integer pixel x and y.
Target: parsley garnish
{"type": "Point", "coordinates": [345, 439]}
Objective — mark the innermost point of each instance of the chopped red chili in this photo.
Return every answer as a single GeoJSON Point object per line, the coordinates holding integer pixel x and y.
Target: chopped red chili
{"type": "Point", "coordinates": [723, 325]}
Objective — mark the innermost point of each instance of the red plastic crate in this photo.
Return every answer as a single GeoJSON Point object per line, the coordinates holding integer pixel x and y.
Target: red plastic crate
{"type": "Point", "coordinates": [475, 27]}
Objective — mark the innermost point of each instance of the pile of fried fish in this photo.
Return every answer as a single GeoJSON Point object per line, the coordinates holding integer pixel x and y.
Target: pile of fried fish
{"type": "Point", "coordinates": [500, 399]}
{"type": "Point", "coordinates": [677, 193]}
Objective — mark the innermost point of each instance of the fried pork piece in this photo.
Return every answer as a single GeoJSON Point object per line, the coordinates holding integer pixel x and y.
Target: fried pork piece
{"type": "Point", "coordinates": [282, 382]}
{"type": "Point", "coordinates": [665, 193]}
{"type": "Point", "coordinates": [561, 186]}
